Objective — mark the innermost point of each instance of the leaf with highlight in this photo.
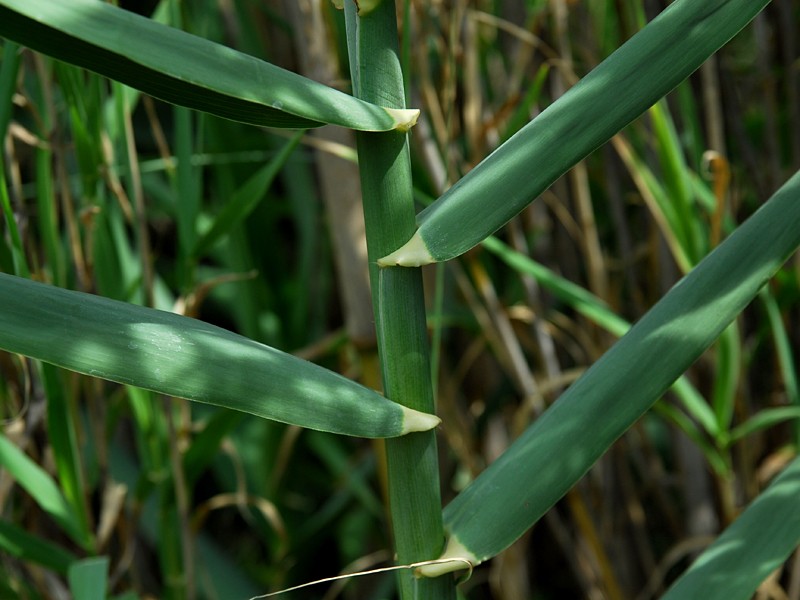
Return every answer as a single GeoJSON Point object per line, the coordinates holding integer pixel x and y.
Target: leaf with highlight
{"type": "Point", "coordinates": [562, 444]}
{"type": "Point", "coordinates": [184, 357]}
{"type": "Point", "coordinates": [184, 69]}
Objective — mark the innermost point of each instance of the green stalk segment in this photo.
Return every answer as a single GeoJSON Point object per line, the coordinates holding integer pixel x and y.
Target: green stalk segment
{"type": "Point", "coordinates": [560, 446]}
{"type": "Point", "coordinates": [184, 357]}
{"type": "Point", "coordinates": [184, 69]}
{"type": "Point", "coordinates": [619, 90]}
{"type": "Point", "coordinates": [403, 344]}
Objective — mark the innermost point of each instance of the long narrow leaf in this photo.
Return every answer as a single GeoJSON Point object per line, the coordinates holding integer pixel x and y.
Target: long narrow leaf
{"type": "Point", "coordinates": [15, 541]}
{"type": "Point", "coordinates": [8, 79]}
{"type": "Point", "coordinates": [38, 483]}
{"type": "Point", "coordinates": [594, 309]}
{"type": "Point", "coordinates": [184, 357]}
{"type": "Point", "coordinates": [620, 89]}
{"type": "Point", "coordinates": [63, 438]}
{"type": "Point", "coordinates": [245, 199]}
{"type": "Point", "coordinates": [20, 263]}
{"type": "Point", "coordinates": [556, 451]}
{"type": "Point", "coordinates": [750, 549]}
{"type": "Point", "coordinates": [184, 69]}
{"type": "Point", "coordinates": [769, 417]}
{"type": "Point", "coordinates": [783, 349]}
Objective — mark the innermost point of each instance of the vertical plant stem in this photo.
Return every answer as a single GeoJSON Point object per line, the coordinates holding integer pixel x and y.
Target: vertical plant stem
{"type": "Point", "coordinates": [188, 205]}
{"type": "Point", "coordinates": [182, 500]}
{"type": "Point", "coordinates": [398, 300]}
{"type": "Point", "coordinates": [136, 191]}
{"type": "Point", "coordinates": [64, 435]}
{"type": "Point", "coordinates": [338, 179]}
{"type": "Point", "coordinates": [15, 243]}
{"type": "Point", "coordinates": [579, 175]}
{"type": "Point", "coordinates": [9, 67]}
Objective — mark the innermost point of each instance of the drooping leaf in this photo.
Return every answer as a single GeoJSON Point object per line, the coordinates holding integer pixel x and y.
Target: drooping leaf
{"type": "Point", "coordinates": [15, 541]}
{"type": "Point", "coordinates": [179, 356]}
{"type": "Point", "coordinates": [184, 69]}
{"type": "Point", "coordinates": [41, 487]}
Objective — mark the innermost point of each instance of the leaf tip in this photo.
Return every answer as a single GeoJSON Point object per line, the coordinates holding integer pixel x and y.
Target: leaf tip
{"type": "Point", "coordinates": [414, 253]}
{"type": "Point", "coordinates": [416, 421]}
{"type": "Point", "coordinates": [404, 118]}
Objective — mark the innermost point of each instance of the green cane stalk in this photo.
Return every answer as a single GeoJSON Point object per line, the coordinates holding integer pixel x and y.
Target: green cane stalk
{"type": "Point", "coordinates": [398, 298]}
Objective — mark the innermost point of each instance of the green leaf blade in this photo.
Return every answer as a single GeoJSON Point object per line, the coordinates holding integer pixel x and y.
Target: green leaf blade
{"type": "Point", "coordinates": [88, 578]}
{"type": "Point", "coordinates": [616, 92]}
{"type": "Point", "coordinates": [17, 542]}
{"type": "Point", "coordinates": [560, 446]}
{"type": "Point", "coordinates": [41, 487]}
{"type": "Point", "coordinates": [750, 549]}
{"type": "Point", "coordinates": [245, 199]}
{"type": "Point", "coordinates": [183, 357]}
{"type": "Point", "coordinates": [184, 69]}
{"type": "Point", "coordinates": [594, 309]}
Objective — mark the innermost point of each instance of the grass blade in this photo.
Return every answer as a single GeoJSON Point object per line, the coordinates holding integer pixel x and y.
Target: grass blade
{"type": "Point", "coordinates": [769, 417]}
{"type": "Point", "coordinates": [620, 89]}
{"type": "Point", "coordinates": [750, 549]}
{"type": "Point", "coordinates": [783, 349]}
{"type": "Point", "coordinates": [184, 69]}
{"type": "Point", "coordinates": [206, 444]}
{"type": "Point", "coordinates": [245, 199]}
{"type": "Point", "coordinates": [183, 357]}
{"type": "Point", "coordinates": [594, 309]}
{"type": "Point", "coordinates": [34, 480]}
{"type": "Point", "coordinates": [20, 263]}
{"type": "Point", "coordinates": [15, 541]}
{"type": "Point", "coordinates": [561, 446]}
{"type": "Point", "coordinates": [580, 299]}
{"type": "Point", "coordinates": [64, 437]}
{"type": "Point", "coordinates": [9, 67]}
{"type": "Point", "coordinates": [88, 578]}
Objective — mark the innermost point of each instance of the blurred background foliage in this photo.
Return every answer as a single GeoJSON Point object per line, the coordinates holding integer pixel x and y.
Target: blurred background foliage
{"type": "Point", "coordinates": [115, 193]}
